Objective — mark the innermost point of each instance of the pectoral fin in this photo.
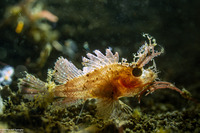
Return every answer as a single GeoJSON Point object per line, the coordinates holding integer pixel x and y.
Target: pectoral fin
{"type": "Point", "coordinates": [113, 109]}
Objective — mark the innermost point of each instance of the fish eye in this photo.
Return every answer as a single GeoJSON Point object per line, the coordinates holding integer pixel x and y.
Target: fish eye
{"type": "Point", "coordinates": [137, 72]}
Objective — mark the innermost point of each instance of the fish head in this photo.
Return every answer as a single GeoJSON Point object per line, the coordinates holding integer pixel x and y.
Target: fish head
{"type": "Point", "coordinates": [133, 80]}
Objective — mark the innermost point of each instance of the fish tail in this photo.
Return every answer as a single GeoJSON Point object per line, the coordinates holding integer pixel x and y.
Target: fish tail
{"type": "Point", "coordinates": [113, 109]}
{"type": "Point", "coordinates": [31, 86]}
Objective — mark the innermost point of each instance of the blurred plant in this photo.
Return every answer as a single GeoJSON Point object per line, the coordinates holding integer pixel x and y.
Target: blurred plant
{"type": "Point", "coordinates": [25, 14]}
{"type": "Point", "coordinates": [28, 20]}
{"type": "Point", "coordinates": [69, 48]}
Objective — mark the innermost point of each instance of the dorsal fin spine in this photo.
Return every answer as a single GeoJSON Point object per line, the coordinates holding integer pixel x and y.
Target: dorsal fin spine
{"type": "Point", "coordinates": [100, 55]}
{"type": "Point", "coordinates": [96, 59]}
{"type": "Point", "coordinates": [65, 70]}
{"type": "Point", "coordinates": [99, 60]}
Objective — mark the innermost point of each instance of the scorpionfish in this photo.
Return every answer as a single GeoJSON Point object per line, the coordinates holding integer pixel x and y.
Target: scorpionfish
{"type": "Point", "coordinates": [103, 78]}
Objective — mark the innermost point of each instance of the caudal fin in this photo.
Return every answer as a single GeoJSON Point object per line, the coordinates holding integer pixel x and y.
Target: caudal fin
{"type": "Point", "coordinates": [30, 86]}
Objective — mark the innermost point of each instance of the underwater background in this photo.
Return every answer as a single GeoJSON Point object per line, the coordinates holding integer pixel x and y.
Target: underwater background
{"type": "Point", "coordinates": [33, 34]}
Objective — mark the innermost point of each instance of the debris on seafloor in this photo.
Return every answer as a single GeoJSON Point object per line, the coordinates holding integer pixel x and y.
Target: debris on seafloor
{"type": "Point", "coordinates": [6, 74]}
{"type": "Point", "coordinates": [103, 78]}
{"type": "Point", "coordinates": [1, 105]}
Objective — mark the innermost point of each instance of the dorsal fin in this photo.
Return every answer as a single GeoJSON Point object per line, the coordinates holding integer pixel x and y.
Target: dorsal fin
{"type": "Point", "coordinates": [93, 62]}
{"type": "Point", "coordinates": [65, 70]}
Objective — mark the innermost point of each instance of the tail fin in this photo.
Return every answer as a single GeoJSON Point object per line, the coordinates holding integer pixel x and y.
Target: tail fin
{"type": "Point", "coordinates": [30, 86]}
{"type": "Point", "coordinates": [109, 108]}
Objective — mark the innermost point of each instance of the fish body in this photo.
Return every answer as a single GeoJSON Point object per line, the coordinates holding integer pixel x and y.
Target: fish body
{"type": "Point", "coordinates": [103, 78]}
{"type": "Point", "coordinates": [112, 82]}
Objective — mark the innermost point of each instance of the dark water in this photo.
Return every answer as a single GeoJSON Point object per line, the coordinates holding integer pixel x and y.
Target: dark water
{"type": "Point", "coordinates": [102, 24]}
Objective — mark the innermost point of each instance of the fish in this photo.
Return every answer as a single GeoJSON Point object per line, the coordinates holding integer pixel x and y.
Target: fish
{"type": "Point", "coordinates": [103, 78]}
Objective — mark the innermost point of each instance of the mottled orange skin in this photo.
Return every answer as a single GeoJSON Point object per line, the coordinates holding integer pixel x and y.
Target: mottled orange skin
{"type": "Point", "coordinates": [109, 82]}
{"type": "Point", "coordinates": [105, 79]}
